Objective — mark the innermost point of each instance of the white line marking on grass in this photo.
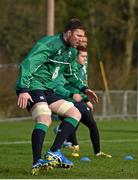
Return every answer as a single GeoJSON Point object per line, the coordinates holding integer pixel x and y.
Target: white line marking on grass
{"type": "Point", "coordinates": [120, 140]}
{"type": "Point", "coordinates": [15, 142]}
{"type": "Point", "coordinates": [82, 141]}
{"type": "Point", "coordinates": [114, 141]}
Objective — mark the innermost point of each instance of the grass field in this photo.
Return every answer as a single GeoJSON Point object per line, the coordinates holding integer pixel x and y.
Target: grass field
{"type": "Point", "coordinates": [120, 138]}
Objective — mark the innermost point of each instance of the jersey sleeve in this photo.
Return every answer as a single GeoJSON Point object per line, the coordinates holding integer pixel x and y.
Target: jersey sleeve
{"type": "Point", "coordinates": [72, 77]}
{"type": "Point", "coordinates": [60, 88]}
{"type": "Point", "coordinates": [36, 57]}
{"type": "Point", "coordinates": [66, 90]}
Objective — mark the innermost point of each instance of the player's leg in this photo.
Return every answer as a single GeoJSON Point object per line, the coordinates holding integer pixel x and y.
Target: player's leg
{"type": "Point", "coordinates": [71, 142]}
{"type": "Point", "coordinates": [71, 120]}
{"type": "Point", "coordinates": [42, 115]}
{"type": "Point", "coordinates": [88, 120]}
{"type": "Point", "coordinates": [75, 145]}
{"type": "Point", "coordinates": [66, 143]}
{"type": "Point", "coordinates": [73, 138]}
{"type": "Point", "coordinates": [67, 127]}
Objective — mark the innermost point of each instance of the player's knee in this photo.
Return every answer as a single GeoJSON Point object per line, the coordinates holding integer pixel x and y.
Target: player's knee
{"type": "Point", "coordinates": [64, 107]}
{"type": "Point", "coordinates": [44, 119]}
{"type": "Point", "coordinates": [69, 110]}
{"type": "Point", "coordinates": [41, 111]}
{"type": "Point", "coordinates": [75, 113]}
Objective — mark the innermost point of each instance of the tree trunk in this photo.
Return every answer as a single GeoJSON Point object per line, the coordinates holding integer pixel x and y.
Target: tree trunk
{"type": "Point", "coordinates": [130, 38]}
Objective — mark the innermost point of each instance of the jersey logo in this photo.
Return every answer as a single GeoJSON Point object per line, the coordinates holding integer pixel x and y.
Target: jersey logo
{"type": "Point", "coordinates": [69, 53]}
{"type": "Point", "coordinates": [42, 97]}
{"type": "Point", "coordinates": [55, 74]}
{"type": "Point", "coordinates": [59, 51]}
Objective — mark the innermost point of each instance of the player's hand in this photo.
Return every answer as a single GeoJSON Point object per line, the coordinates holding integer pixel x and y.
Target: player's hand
{"type": "Point", "coordinates": [77, 97]}
{"type": "Point", "coordinates": [90, 105]}
{"type": "Point", "coordinates": [91, 95]}
{"type": "Point", "coordinates": [23, 99]}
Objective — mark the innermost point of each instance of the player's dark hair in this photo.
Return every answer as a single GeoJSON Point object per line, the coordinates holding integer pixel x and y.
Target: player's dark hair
{"type": "Point", "coordinates": [81, 48]}
{"type": "Point", "coordinates": [74, 24]}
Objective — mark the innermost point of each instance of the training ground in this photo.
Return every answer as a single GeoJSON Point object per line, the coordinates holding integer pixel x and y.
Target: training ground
{"type": "Point", "coordinates": [118, 137]}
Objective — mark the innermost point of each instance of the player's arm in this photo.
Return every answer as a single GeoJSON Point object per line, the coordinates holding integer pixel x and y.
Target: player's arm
{"type": "Point", "coordinates": [79, 84]}
{"type": "Point", "coordinates": [60, 90]}
{"type": "Point", "coordinates": [64, 92]}
{"type": "Point", "coordinates": [35, 58]}
{"type": "Point", "coordinates": [83, 88]}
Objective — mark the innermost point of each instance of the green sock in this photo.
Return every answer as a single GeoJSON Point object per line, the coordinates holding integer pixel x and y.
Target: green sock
{"type": "Point", "coordinates": [72, 121]}
{"type": "Point", "coordinates": [38, 136]}
{"type": "Point", "coordinates": [41, 126]}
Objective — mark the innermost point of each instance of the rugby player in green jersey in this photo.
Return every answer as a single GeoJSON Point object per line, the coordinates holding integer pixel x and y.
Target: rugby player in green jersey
{"type": "Point", "coordinates": [85, 107]}
{"type": "Point", "coordinates": [48, 58]}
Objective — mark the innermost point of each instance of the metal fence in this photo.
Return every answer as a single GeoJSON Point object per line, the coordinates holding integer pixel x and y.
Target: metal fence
{"type": "Point", "coordinates": [117, 104]}
{"type": "Point", "coordinates": [122, 104]}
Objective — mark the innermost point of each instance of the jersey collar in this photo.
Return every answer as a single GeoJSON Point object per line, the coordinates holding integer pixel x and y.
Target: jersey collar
{"type": "Point", "coordinates": [64, 42]}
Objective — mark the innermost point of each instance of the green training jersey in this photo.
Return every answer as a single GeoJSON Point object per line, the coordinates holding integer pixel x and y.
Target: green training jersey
{"type": "Point", "coordinates": [66, 89]}
{"type": "Point", "coordinates": [48, 58]}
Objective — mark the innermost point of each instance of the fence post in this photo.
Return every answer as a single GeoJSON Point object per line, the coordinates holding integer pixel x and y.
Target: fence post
{"type": "Point", "coordinates": [125, 104]}
{"type": "Point", "coordinates": [104, 105]}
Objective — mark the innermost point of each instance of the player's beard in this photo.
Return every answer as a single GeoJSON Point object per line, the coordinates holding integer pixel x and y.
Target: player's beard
{"type": "Point", "coordinates": [72, 44]}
